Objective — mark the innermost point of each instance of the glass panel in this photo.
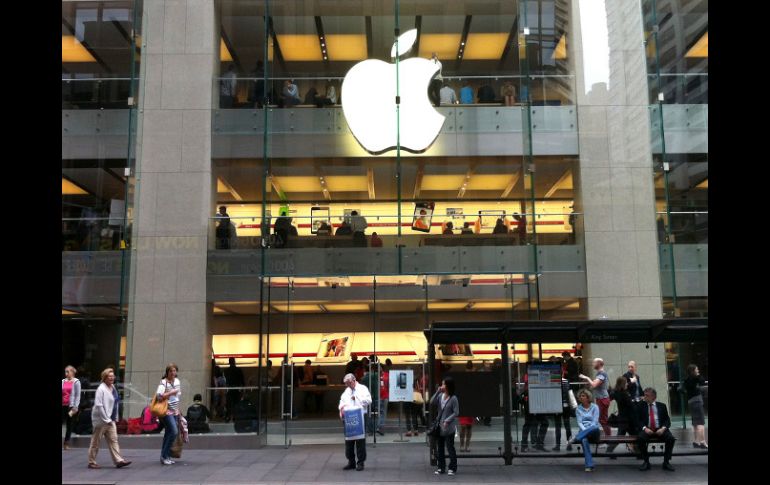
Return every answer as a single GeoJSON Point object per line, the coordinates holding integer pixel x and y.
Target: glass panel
{"type": "Point", "coordinates": [677, 55]}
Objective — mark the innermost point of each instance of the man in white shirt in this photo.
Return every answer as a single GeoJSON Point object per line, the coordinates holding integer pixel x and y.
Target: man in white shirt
{"type": "Point", "coordinates": [356, 395]}
{"type": "Point", "coordinates": [447, 95]}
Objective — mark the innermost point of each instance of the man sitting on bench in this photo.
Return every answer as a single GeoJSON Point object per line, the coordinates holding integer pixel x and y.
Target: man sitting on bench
{"type": "Point", "coordinates": [655, 423]}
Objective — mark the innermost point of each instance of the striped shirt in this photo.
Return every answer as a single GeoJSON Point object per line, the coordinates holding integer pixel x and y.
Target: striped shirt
{"type": "Point", "coordinates": [173, 400]}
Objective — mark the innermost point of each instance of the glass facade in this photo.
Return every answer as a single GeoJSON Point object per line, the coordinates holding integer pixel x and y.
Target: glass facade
{"type": "Point", "coordinates": [373, 168]}
{"type": "Point", "coordinates": [101, 54]}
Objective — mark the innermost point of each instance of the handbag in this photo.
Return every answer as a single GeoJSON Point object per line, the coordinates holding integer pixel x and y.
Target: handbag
{"type": "Point", "coordinates": [612, 420]}
{"type": "Point", "coordinates": [435, 429]}
{"type": "Point", "coordinates": [158, 408]}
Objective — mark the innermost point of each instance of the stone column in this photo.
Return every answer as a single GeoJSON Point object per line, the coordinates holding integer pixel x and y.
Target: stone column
{"type": "Point", "coordinates": [169, 317]}
{"type": "Point", "coordinates": [615, 188]}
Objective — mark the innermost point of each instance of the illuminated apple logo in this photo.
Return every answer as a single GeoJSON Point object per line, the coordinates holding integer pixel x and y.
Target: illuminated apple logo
{"type": "Point", "coordinates": [369, 102]}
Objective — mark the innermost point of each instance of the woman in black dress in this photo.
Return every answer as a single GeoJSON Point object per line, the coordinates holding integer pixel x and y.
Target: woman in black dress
{"type": "Point", "coordinates": [626, 414]}
{"type": "Point", "coordinates": [692, 389]}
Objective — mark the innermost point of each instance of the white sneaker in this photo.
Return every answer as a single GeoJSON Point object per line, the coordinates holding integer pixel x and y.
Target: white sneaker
{"type": "Point", "coordinates": [450, 473]}
{"type": "Point", "coordinates": [166, 461]}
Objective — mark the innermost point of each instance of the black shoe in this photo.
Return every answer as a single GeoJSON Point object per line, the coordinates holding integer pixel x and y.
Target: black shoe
{"type": "Point", "coordinates": [349, 466]}
{"type": "Point", "coordinates": [569, 446]}
{"type": "Point", "coordinates": [667, 466]}
{"type": "Point", "coordinates": [379, 432]}
{"type": "Point", "coordinates": [556, 448]}
{"type": "Point", "coordinates": [613, 457]}
{"type": "Point", "coordinates": [540, 448]}
{"type": "Point", "coordinates": [523, 448]}
{"type": "Point", "coordinates": [359, 467]}
{"type": "Point", "coordinates": [645, 466]}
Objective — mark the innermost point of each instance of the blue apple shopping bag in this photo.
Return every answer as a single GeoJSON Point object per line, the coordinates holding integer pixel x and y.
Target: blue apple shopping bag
{"type": "Point", "coordinates": [354, 423]}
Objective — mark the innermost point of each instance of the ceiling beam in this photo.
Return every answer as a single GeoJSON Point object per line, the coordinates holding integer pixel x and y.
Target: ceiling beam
{"type": "Point", "coordinates": [467, 179]}
{"type": "Point", "coordinates": [511, 184]}
{"type": "Point", "coordinates": [512, 39]}
{"type": "Point", "coordinates": [463, 40]}
{"type": "Point", "coordinates": [567, 173]}
{"type": "Point", "coordinates": [230, 189]}
{"type": "Point", "coordinates": [277, 187]}
{"type": "Point", "coordinates": [319, 28]}
{"type": "Point", "coordinates": [277, 55]}
{"type": "Point", "coordinates": [370, 182]}
{"type": "Point", "coordinates": [369, 37]}
{"type": "Point", "coordinates": [230, 48]}
{"type": "Point", "coordinates": [418, 179]}
{"type": "Point", "coordinates": [418, 26]}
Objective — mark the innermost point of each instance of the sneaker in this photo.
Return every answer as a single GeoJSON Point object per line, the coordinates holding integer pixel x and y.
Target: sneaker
{"type": "Point", "coordinates": [450, 473]}
{"type": "Point", "coordinates": [166, 461]}
{"type": "Point", "coordinates": [439, 472]}
{"type": "Point", "coordinates": [589, 469]}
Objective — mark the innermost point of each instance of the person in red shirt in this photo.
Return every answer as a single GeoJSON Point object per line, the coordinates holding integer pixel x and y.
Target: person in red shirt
{"type": "Point", "coordinates": [375, 241]}
{"type": "Point", "coordinates": [384, 394]}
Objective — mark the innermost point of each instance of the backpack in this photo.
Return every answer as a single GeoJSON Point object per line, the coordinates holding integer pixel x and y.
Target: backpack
{"type": "Point", "coordinates": [149, 423]}
{"type": "Point", "coordinates": [195, 414]}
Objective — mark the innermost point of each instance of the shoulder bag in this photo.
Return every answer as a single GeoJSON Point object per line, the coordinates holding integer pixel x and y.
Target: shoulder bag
{"type": "Point", "coordinates": [159, 408]}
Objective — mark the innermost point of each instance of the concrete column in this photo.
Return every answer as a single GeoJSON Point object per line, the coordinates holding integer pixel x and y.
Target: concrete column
{"type": "Point", "coordinates": [616, 190]}
{"type": "Point", "coordinates": [169, 317]}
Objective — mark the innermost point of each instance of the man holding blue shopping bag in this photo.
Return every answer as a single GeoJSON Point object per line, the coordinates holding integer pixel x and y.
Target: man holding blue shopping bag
{"type": "Point", "coordinates": [353, 405]}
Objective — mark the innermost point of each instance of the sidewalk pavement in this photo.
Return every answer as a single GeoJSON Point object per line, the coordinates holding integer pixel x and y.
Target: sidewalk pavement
{"type": "Point", "coordinates": [387, 463]}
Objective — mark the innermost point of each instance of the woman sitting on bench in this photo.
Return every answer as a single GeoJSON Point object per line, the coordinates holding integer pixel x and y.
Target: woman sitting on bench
{"type": "Point", "coordinates": [587, 414]}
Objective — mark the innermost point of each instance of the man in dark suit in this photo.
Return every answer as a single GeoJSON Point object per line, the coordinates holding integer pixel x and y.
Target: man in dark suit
{"type": "Point", "coordinates": [654, 422]}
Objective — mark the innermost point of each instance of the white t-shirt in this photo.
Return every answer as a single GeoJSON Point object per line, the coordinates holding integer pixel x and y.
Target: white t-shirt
{"type": "Point", "coordinates": [164, 386]}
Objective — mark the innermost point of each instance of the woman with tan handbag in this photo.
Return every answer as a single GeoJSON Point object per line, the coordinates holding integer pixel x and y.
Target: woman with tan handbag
{"type": "Point", "coordinates": [104, 415]}
{"type": "Point", "coordinates": [169, 390]}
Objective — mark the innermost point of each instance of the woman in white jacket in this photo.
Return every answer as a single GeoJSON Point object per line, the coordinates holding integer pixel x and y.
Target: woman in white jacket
{"type": "Point", "coordinates": [104, 415]}
{"type": "Point", "coordinates": [70, 400]}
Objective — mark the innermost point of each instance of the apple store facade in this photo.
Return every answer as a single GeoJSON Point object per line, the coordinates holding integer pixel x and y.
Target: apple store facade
{"type": "Point", "coordinates": [282, 182]}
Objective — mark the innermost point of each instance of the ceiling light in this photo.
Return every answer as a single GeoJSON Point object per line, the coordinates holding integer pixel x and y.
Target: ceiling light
{"type": "Point", "coordinates": [297, 308]}
{"type": "Point", "coordinates": [73, 51]}
{"type": "Point", "coordinates": [486, 46]}
{"type": "Point", "coordinates": [347, 47]}
{"type": "Point", "coordinates": [224, 52]}
{"type": "Point", "coordinates": [69, 188]}
{"type": "Point", "coordinates": [346, 307]}
{"type": "Point", "coordinates": [447, 305]}
{"type": "Point", "coordinates": [700, 48]}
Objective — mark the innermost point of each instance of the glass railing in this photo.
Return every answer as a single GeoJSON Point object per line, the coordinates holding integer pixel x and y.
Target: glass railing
{"type": "Point", "coordinates": [94, 234]}
{"type": "Point", "coordinates": [679, 88]}
{"type": "Point", "coordinates": [99, 93]}
{"type": "Point", "coordinates": [304, 232]}
{"type": "Point", "coordinates": [241, 92]}
{"type": "Point", "coordinates": [683, 227]}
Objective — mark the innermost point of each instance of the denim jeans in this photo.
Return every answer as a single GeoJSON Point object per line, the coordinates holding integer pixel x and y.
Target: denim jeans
{"type": "Point", "coordinates": [583, 436]}
{"type": "Point", "coordinates": [383, 412]}
{"type": "Point", "coordinates": [169, 424]}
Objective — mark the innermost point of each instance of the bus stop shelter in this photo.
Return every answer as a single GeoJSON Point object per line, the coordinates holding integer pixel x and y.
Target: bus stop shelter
{"type": "Point", "coordinates": [505, 333]}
